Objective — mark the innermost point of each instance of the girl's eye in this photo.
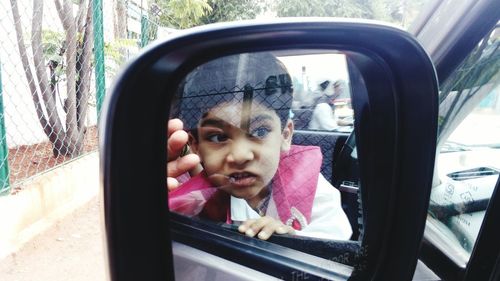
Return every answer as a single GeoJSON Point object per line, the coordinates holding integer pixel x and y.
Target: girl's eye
{"type": "Point", "coordinates": [217, 138]}
{"type": "Point", "coordinates": [260, 132]}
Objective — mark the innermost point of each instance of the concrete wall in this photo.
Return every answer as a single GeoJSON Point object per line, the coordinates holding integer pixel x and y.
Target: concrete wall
{"type": "Point", "coordinates": [46, 198]}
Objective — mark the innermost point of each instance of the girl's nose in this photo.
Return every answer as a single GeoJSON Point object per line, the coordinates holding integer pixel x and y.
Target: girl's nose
{"type": "Point", "coordinates": [241, 152]}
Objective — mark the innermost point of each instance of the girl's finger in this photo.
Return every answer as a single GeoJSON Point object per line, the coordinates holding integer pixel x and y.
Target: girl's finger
{"type": "Point", "coordinates": [272, 227]}
{"type": "Point", "coordinates": [282, 229]}
{"type": "Point", "coordinates": [174, 125]}
{"type": "Point", "coordinates": [181, 165]}
{"type": "Point", "coordinates": [175, 144]}
{"type": "Point", "coordinates": [257, 226]}
{"type": "Point", "coordinates": [172, 183]}
{"type": "Point", "coordinates": [245, 225]}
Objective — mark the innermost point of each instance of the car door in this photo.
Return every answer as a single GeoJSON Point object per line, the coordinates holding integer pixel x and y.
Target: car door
{"type": "Point", "coordinates": [146, 241]}
{"type": "Point", "coordinates": [458, 242]}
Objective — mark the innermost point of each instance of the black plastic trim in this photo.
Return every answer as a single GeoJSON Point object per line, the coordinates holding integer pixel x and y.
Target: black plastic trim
{"type": "Point", "coordinates": [223, 241]}
{"type": "Point", "coordinates": [487, 248]}
{"type": "Point", "coordinates": [395, 139]}
{"type": "Point", "coordinates": [438, 261]}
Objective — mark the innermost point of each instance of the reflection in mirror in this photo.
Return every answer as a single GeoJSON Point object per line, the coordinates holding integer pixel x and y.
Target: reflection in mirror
{"type": "Point", "coordinates": [322, 96]}
{"type": "Point", "coordinates": [241, 113]}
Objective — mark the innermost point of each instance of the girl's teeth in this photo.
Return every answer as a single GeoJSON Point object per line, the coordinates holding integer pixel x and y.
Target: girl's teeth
{"type": "Point", "coordinates": [237, 177]}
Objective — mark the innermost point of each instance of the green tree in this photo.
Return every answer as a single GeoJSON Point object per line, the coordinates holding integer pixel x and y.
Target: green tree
{"type": "Point", "coordinates": [399, 12]}
{"type": "Point", "coordinates": [231, 10]}
{"type": "Point", "coordinates": [189, 13]}
{"type": "Point", "coordinates": [318, 8]}
{"type": "Point", "coordinates": [55, 61]}
{"type": "Point", "coordinates": [181, 13]}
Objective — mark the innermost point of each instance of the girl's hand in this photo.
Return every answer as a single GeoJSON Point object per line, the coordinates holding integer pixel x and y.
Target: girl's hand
{"type": "Point", "coordinates": [178, 164]}
{"type": "Point", "coordinates": [264, 227]}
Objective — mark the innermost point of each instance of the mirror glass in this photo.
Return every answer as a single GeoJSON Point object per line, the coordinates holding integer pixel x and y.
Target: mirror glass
{"type": "Point", "coordinates": [268, 128]}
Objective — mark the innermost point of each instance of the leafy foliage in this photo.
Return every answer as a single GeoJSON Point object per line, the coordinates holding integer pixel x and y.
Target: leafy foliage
{"type": "Point", "coordinates": [318, 8]}
{"type": "Point", "coordinates": [182, 13]}
{"type": "Point", "coordinates": [53, 50]}
{"type": "Point", "coordinates": [231, 10]}
{"type": "Point", "coordinates": [58, 58]}
{"type": "Point", "coordinates": [396, 11]}
{"type": "Point", "coordinates": [52, 42]}
{"type": "Point", "coordinates": [114, 52]}
{"type": "Point", "coordinates": [188, 13]}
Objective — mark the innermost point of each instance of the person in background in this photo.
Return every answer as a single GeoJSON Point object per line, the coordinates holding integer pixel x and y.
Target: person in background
{"type": "Point", "coordinates": [323, 117]}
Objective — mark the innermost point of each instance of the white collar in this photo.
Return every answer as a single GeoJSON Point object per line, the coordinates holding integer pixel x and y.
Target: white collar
{"type": "Point", "coordinates": [241, 211]}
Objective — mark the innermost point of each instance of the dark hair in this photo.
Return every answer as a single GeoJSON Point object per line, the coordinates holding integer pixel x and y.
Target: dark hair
{"type": "Point", "coordinates": [257, 77]}
{"type": "Point", "coordinates": [324, 85]}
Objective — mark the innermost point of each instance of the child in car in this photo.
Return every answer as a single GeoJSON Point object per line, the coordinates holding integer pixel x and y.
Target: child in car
{"type": "Point", "coordinates": [237, 111]}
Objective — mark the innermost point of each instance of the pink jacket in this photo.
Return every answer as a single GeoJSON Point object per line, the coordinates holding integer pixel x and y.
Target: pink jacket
{"type": "Point", "coordinates": [293, 191]}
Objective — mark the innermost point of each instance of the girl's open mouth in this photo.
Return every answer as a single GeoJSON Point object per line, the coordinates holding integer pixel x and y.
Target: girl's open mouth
{"type": "Point", "coordinates": [242, 179]}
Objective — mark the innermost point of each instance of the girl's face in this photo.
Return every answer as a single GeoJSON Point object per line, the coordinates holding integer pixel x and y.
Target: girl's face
{"type": "Point", "coordinates": [240, 161]}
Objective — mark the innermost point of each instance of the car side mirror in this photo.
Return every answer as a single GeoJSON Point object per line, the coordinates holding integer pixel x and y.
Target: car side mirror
{"type": "Point", "coordinates": [394, 96]}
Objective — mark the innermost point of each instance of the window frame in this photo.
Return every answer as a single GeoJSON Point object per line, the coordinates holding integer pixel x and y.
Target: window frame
{"type": "Point", "coordinates": [220, 240]}
{"type": "Point", "coordinates": [448, 51]}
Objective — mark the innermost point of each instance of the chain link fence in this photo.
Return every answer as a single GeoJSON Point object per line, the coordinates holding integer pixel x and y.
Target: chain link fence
{"type": "Point", "coordinates": [57, 58]}
{"type": "Point", "coordinates": [48, 104]}
{"type": "Point", "coordinates": [129, 25]}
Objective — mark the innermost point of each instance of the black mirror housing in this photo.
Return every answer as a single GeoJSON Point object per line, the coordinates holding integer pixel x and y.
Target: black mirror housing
{"type": "Point", "coordinates": [395, 106]}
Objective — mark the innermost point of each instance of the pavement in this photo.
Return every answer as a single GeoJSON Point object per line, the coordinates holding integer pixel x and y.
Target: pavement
{"type": "Point", "coordinates": [71, 249]}
{"type": "Point", "coordinates": [51, 228]}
